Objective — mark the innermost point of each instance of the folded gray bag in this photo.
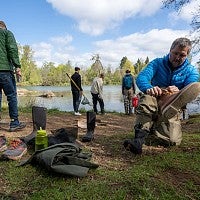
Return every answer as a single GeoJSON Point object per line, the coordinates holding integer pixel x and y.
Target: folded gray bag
{"type": "Point", "coordinates": [63, 158]}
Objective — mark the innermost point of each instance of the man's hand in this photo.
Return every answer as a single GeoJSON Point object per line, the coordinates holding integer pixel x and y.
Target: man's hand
{"type": "Point", "coordinates": [157, 91]}
{"type": "Point", "coordinates": [172, 89]}
{"type": "Point", "coordinates": [154, 91]}
{"type": "Point", "coordinates": [18, 72]}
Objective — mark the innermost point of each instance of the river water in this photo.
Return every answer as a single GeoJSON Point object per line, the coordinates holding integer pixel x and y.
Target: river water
{"type": "Point", "coordinates": [63, 99]}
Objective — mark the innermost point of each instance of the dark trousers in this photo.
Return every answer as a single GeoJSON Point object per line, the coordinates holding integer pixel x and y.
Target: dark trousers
{"type": "Point", "coordinates": [8, 85]}
{"type": "Point", "coordinates": [95, 99]}
{"type": "Point", "coordinates": [76, 100]}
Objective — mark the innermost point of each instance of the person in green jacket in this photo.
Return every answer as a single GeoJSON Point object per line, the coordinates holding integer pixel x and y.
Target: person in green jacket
{"type": "Point", "coordinates": [9, 65]}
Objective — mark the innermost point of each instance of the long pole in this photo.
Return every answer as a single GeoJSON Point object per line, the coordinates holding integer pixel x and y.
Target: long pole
{"type": "Point", "coordinates": [78, 88]}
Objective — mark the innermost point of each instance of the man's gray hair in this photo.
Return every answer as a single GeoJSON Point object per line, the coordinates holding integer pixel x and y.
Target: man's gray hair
{"type": "Point", "coordinates": [182, 42]}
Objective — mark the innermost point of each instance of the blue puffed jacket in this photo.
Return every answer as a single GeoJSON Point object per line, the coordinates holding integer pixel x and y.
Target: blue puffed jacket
{"type": "Point", "coordinates": [158, 73]}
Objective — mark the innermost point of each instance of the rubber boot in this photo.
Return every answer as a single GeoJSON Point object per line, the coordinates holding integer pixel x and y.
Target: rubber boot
{"type": "Point", "coordinates": [135, 145]}
{"type": "Point", "coordinates": [39, 116]}
{"type": "Point", "coordinates": [91, 120]}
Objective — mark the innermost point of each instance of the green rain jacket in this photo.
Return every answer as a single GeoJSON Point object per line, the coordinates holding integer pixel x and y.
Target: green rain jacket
{"type": "Point", "coordinates": [8, 51]}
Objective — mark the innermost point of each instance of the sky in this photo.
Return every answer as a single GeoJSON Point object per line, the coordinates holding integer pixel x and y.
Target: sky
{"type": "Point", "coordinates": [59, 31]}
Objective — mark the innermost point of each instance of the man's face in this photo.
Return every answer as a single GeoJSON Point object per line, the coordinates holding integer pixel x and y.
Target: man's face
{"type": "Point", "coordinates": [178, 56]}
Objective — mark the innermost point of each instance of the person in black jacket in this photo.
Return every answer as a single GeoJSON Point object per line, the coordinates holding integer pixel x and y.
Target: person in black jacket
{"type": "Point", "coordinates": [76, 89]}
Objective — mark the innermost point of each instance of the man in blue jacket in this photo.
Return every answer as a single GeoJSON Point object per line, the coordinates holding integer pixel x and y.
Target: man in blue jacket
{"type": "Point", "coordinates": [167, 84]}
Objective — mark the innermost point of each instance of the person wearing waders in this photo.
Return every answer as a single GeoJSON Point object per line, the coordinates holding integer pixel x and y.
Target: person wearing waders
{"type": "Point", "coordinates": [167, 85]}
{"type": "Point", "coordinates": [128, 91]}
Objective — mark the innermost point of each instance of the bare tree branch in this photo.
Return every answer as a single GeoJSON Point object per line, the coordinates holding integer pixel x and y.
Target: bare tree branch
{"type": "Point", "coordinates": [195, 23]}
{"type": "Point", "coordinates": [176, 4]}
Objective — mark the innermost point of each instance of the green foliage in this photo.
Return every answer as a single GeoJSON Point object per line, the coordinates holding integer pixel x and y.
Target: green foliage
{"type": "Point", "coordinates": [90, 75]}
{"type": "Point", "coordinates": [35, 78]}
{"type": "Point", "coordinates": [28, 67]}
{"type": "Point", "coordinates": [126, 64]}
{"type": "Point", "coordinates": [50, 74]}
{"type": "Point", "coordinates": [140, 64]}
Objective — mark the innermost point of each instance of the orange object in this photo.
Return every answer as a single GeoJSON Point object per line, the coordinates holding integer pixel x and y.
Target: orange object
{"type": "Point", "coordinates": [135, 101]}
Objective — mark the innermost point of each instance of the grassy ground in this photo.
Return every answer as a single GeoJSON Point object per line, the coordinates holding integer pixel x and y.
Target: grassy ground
{"type": "Point", "coordinates": [159, 173]}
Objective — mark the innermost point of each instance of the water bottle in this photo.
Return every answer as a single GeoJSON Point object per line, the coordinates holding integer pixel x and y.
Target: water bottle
{"type": "Point", "coordinates": [41, 140]}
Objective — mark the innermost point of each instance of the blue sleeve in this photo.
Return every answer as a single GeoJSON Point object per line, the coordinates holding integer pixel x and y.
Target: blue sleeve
{"type": "Point", "coordinates": [193, 76]}
{"type": "Point", "coordinates": [144, 78]}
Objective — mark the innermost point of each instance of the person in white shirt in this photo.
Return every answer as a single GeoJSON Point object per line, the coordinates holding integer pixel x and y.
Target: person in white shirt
{"type": "Point", "coordinates": [97, 93]}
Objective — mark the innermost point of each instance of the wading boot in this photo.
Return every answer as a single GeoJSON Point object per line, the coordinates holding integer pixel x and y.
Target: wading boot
{"type": "Point", "coordinates": [91, 120]}
{"type": "Point", "coordinates": [135, 145]}
{"type": "Point", "coordinates": [39, 116]}
{"type": "Point", "coordinates": [170, 103]}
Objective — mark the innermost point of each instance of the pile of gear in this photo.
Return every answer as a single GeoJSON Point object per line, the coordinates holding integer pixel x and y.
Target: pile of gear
{"type": "Point", "coordinates": [63, 154]}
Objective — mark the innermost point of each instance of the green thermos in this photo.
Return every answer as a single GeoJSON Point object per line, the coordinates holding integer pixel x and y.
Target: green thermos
{"type": "Point", "coordinates": [41, 140]}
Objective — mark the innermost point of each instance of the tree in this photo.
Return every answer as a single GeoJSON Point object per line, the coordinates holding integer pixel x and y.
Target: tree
{"type": "Point", "coordinates": [45, 72]}
{"type": "Point", "coordinates": [35, 78]}
{"type": "Point", "coordinates": [147, 60]}
{"type": "Point", "coordinates": [195, 23]}
{"type": "Point", "coordinates": [97, 65]}
{"type": "Point", "coordinates": [27, 64]}
{"type": "Point", "coordinates": [140, 64]}
{"type": "Point", "coordinates": [90, 74]}
{"type": "Point", "coordinates": [109, 76]}
{"type": "Point", "coordinates": [122, 63]}
{"type": "Point", "coordinates": [126, 64]}
{"type": "Point", "coordinates": [117, 77]}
